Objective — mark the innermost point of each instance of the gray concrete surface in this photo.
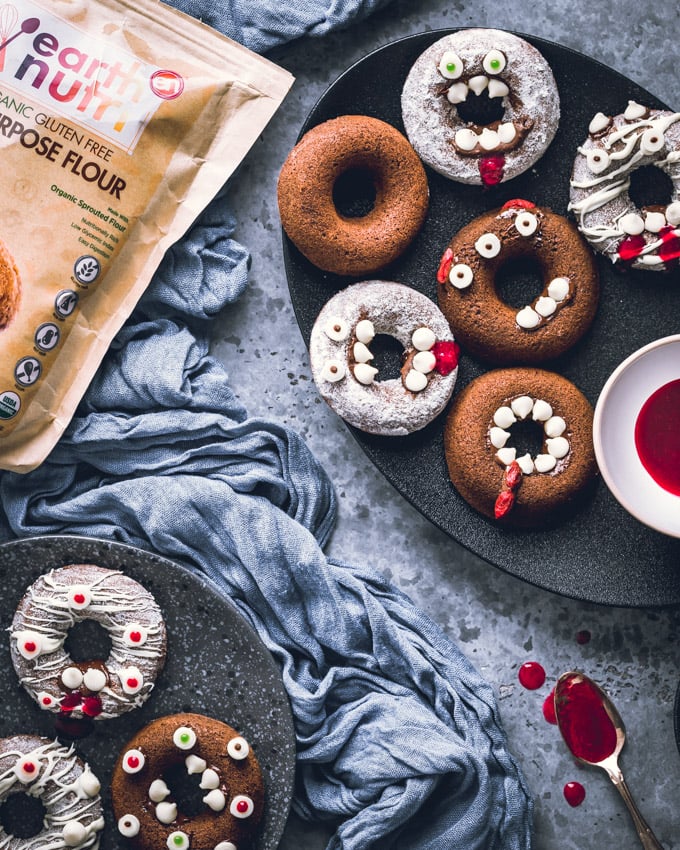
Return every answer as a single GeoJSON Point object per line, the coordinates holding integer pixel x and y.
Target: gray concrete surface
{"type": "Point", "coordinates": [499, 621]}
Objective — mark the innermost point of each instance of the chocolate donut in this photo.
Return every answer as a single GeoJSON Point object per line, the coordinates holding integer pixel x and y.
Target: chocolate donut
{"type": "Point", "coordinates": [485, 325]}
{"type": "Point", "coordinates": [482, 455]}
{"type": "Point", "coordinates": [98, 689]}
{"type": "Point", "coordinates": [644, 238]}
{"type": "Point", "coordinates": [480, 106]}
{"type": "Point", "coordinates": [373, 152]}
{"type": "Point", "coordinates": [10, 287]}
{"type": "Point", "coordinates": [341, 357]}
{"type": "Point", "coordinates": [65, 786]}
{"type": "Point", "coordinates": [228, 776]}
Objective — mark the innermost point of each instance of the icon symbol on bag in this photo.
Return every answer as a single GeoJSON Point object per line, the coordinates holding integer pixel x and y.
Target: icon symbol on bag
{"type": "Point", "coordinates": [27, 371]}
{"type": "Point", "coordinates": [47, 336]}
{"type": "Point", "coordinates": [86, 269]}
{"type": "Point", "coordinates": [65, 303]}
{"type": "Point", "coordinates": [10, 403]}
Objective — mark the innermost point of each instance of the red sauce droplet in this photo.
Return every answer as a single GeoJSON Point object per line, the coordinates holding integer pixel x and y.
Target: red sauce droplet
{"type": "Point", "coordinates": [531, 675]}
{"type": "Point", "coordinates": [135, 637]}
{"type": "Point", "coordinates": [631, 247]}
{"type": "Point", "coordinates": [656, 436]}
{"type": "Point", "coordinates": [586, 727]}
{"type": "Point", "coordinates": [583, 637]}
{"type": "Point", "coordinates": [79, 598]}
{"type": "Point", "coordinates": [491, 169]}
{"type": "Point", "coordinates": [549, 708]}
{"type": "Point", "coordinates": [242, 806]}
{"type": "Point", "coordinates": [574, 793]}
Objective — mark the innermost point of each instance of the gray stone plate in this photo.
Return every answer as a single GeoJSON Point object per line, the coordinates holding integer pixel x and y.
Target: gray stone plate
{"type": "Point", "coordinates": [598, 553]}
{"type": "Point", "coordinates": [217, 665]}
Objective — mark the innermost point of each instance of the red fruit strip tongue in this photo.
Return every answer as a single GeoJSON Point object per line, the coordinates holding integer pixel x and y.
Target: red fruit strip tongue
{"type": "Point", "coordinates": [631, 247]}
{"type": "Point", "coordinates": [670, 247]}
{"type": "Point", "coordinates": [491, 169]}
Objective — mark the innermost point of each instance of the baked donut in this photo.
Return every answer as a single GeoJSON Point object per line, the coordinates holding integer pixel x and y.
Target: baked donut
{"type": "Point", "coordinates": [491, 468]}
{"type": "Point", "coordinates": [373, 153]}
{"type": "Point", "coordinates": [341, 357]}
{"type": "Point", "coordinates": [480, 106]}
{"type": "Point", "coordinates": [95, 689]}
{"type": "Point", "coordinates": [485, 325]}
{"type": "Point", "coordinates": [230, 780]}
{"type": "Point", "coordinates": [644, 238]}
{"type": "Point", "coordinates": [10, 287]}
{"type": "Point", "coordinates": [66, 787]}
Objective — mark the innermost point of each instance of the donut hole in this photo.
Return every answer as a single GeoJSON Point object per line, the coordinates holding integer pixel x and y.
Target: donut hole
{"type": "Point", "coordinates": [22, 816]}
{"type": "Point", "coordinates": [185, 790]}
{"type": "Point", "coordinates": [87, 640]}
{"type": "Point", "coordinates": [519, 281]}
{"type": "Point", "coordinates": [527, 437]}
{"type": "Point", "coordinates": [650, 186]}
{"type": "Point", "coordinates": [480, 109]}
{"type": "Point", "coordinates": [388, 354]}
{"type": "Point", "coordinates": [354, 192]}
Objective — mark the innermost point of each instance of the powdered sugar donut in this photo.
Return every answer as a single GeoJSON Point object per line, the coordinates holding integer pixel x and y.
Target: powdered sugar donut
{"type": "Point", "coordinates": [647, 238]}
{"type": "Point", "coordinates": [341, 357]}
{"type": "Point", "coordinates": [441, 106]}
{"type": "Point", "coordinates": [66, 786]}
{"type": "Point", "coordinates": [90, 689]}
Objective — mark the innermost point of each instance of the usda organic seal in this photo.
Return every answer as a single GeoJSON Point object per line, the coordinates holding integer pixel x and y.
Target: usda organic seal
{"type": "Point", "coordinates": [9, 405]}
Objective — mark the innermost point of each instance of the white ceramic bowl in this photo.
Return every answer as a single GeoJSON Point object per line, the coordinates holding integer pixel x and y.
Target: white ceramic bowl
{"type": "Point", "coordinates": [627, 389]}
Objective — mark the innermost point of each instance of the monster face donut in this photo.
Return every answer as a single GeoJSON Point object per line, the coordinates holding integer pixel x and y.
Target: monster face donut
{"type": "Point", "coordinates": [341, 357]}
{"type": "Point", "coordinates": [88, 689]}
{"type": "Point", "coordinates": [480, 106]}
{"type": "Point", "coordinates": [485, 325]}
{"type": "Point", "coordinates": [227, 777]}
{"type": "Point", "coordinates": [66, 787]}
{"type": "Point", "coordinates": [518, 445]}
{"type": "Point", "coordinates": [644, 238]}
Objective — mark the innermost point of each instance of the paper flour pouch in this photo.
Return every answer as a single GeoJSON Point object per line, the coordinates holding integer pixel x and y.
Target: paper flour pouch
{"type": "Point", "coordinates": [119, 122]}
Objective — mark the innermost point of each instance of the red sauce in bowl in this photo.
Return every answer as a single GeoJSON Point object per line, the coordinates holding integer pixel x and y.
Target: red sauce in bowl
{"type": "Point", "coordinates": [657, 436]}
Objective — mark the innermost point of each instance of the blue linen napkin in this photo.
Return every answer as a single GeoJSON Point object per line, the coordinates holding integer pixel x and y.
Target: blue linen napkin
{"type": "Point", "coordinates": [399, 738]}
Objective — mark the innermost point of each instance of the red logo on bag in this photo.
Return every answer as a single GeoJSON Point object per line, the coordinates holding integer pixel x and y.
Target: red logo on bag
{"type": "Point", "coordinates": [167, 84]}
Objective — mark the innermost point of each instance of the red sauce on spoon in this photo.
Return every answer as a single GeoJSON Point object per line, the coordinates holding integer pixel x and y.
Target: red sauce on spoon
{"type": "Point", "coordinates": [586, 727]}
{"type": "Point", "coordinates": [656, 436]}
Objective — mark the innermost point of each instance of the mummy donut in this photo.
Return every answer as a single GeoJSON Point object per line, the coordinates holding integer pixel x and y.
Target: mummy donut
{"type": "Point", "coordinates": [480, 106]}
{"type": "Point", "coordinates": [97, 689]}
{"type": "Point", "coordinates": [66, 787]}
{"type": "Point", "coordinates": [554, 321]}
{"type": "Point", "coordinates": [519, 447]}
{"type": "Point", "coordinates": [227, 775]}
{"type": "Point", "coordinates": [643, 238]}
{"type": "Point", "coordinates": [341, 357]}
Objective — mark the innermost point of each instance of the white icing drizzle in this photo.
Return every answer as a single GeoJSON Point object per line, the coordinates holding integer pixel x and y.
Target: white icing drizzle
{"type": "Point", "coordinates": [556, 444]}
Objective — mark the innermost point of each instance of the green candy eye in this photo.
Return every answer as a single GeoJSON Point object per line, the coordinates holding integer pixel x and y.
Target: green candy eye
{"type": "Point", "coordinates": [177, 841]}
{"type": "Point", "coordinates": [450, 65]}
{"type": "Point", "coordinates": [184, 738]}
{"type": "Point", "coordinates": [494, 62]}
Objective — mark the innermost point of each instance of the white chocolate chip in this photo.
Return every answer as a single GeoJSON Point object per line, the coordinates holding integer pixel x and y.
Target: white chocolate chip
{"type": "Point", "coordinates": [488, 245]}
{"type": "Point", "coordinates": [632, 223]}
{"type": "Point", "coordinates": [598, 160]}
{"type": "Point", "coordinates": [361, 352]}
{"type": "Point", "coordinates": [545, 306]}
{"type": "Point", "coordinates": [333, 370]}
{"type": "Point", "coordinates": [128, 826]}
{"type": "Point", "coordinates": [557, 446]}
{"type": "Point", "coordinates": [504, 417]}
{"type": "Point", "coordinates": [498, 437]}
{"type": "Point", "coordinates": [94, 679]}
{"type": "Point", "coordinates": [673, 213]}
{"type": "Point", "coordinates": [74, 833]}
{"type": "Point", "coordinates": [497, 88]}
{"type": "Point", "coordinates": [650, 260]}
{"type": "Point", "coordinates": [526, 223]}
{"type": "Point", "coordinates": [634, 111]}
{"type": "Point", "coordinates": [364, 373]}
{"type": "Point", "coordinates": [506, 455]}
{"type": "Point", "coordinates": [542, 411]}
{"type": "Point", "coordinates": [558, 288]}
{"type": "Point", "coordinates": [599, 122]}
{"type": "Point", "coordinates": [71, 677]}
{"type": "Point", "coordinates": [555, 426]}
{"type": "Point", "coordinates": [526, 464]}
{"type": "Point", "coordinates": [225, 845]}
{"type": "Point", "coordinates": [336, 329]}
{"type": "Point", "coordinates": [209, 779]}
{"type": "Point", "coordinates": [457, 93]}
{"type": "Point", "coordinates": [424, 361]}
{"type": "Point", "coordinates": [89, 783]}
{"type": "Point", "coordinates": [215, 800]}
{"type": "Point", "coordinates": [544, 463]}
{"type": "Point", "coordinates": [527, 318]}
{"type": "Point", "coordinates": [415, 381]}
{"type": "Point", "coordinates": [166, 812]}
{"type": "Point", "coordinates": [465, 139]}
{"type": "Point", "coordinates": [489, 139]}
{"type": "Point", "coordinates": [364, 331]}
{"type": "Point", "coordinates": [158, 791]}
{"type": "Point", "coordinates": [478, 83]}
{"type": "Point", "coordinates": [423, 339]}
{"type": "Point", "coordinates": [652, 141]}
{"type": "Point", "coordinates": [654, 221]}
{"type": "Point", "coordinates": [506, 132]}
{"type": "Point", "coordinates": [460, 276]}
{"type": "Point", "coordinates": [522, 406]}
{"type": "Point", "coordinates": [195, 764]}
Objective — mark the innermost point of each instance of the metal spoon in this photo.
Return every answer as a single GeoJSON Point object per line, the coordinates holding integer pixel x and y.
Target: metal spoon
{"type": "Point", "coordinates": [611, 762]}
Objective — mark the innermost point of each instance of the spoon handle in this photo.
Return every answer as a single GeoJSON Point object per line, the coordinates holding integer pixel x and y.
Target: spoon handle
{"type": "Point", "coordinates": [647, 837]}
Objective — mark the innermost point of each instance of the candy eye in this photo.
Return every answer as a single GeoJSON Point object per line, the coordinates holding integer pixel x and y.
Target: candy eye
{"type": "Point", "coordinates": [128, 826]}
{"type": "Point", "coordinates": [488, 245]}
{"type": "Point", "coordinates": [27, 769]}
{"type": "Point", "coordinates": [177, 840]}
{"type": "Point", "coordinates": [29, 644]}
{"type": "Point", "coordinates": [133, 761]}
{"type": "Point", "coordinates": [494, 62]}
{"type": "Point", "coordinates": [184, 738]}
{"type": "Point", "coordinates": [238, 748]}
{"type": "Point", "coordinates": [79, 597]}
{"type": "Point", "coordinates": [135, 635]}
{"type": "Point", "coordinates": [597, 159]}
{"type": "Point", "coordinates": [451, 65]}
{"type": "Point", "coordinates": [131, 680]}
{"type": "Point", "coordinates": [45, 700]}
{"type": "Point", "coordinates": [241, 806]}
{"type": "Point", "coordinates": [526, 223]}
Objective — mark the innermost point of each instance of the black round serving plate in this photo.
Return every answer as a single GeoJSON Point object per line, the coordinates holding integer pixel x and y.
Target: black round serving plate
{"type": "Point", "coordinates": [598, 553]}
{"type": "Point", "coordinates": [216, 665]}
